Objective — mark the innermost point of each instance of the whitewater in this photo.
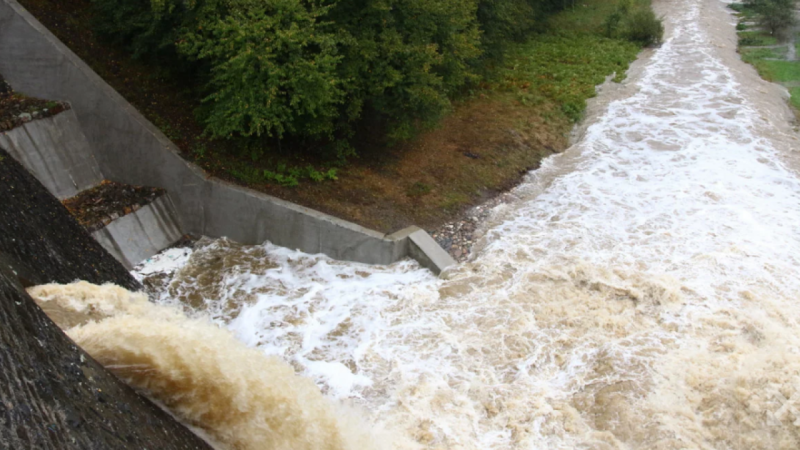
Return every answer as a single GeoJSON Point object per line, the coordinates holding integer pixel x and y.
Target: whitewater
{"type": "Point", "coordinates": [640, 291]}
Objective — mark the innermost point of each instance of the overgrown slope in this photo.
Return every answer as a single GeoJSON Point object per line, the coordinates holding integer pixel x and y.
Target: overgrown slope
{"type": "Point", "coordinates": [498, 129]}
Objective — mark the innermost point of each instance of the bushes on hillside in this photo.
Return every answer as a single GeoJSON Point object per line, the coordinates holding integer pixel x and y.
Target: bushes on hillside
{"type": "Point", "coordinates": [776, 16]}
{"type": "Point", "coordinates": [402, 60]}
{"type": "Point", "coordinates": [312, 69]}
{"type": "Point", "coordinates": [634, 22]}
{"type": "Point", "coordinates": [507, 21]}
{"type": "Point", "coordinates": [272, 68]}
{"type": "Point", "coordinates": [643, 27]}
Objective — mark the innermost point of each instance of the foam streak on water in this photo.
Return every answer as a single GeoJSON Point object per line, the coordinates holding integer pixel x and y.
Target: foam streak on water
{"type": "Point", "coordinates": [640, 293]}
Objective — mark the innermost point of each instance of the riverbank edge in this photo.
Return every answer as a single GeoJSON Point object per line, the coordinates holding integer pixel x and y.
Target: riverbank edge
{"type": "Point", "coordinates": [469, 228]}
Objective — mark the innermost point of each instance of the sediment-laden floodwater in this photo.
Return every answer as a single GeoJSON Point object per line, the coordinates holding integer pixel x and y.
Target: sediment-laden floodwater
{"type": "Point", "coordinates": [641, 291]}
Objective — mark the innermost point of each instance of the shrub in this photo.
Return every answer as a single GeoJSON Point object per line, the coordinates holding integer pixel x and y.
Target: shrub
{"type": "Point", "coordinates": [643, 27]}
{"type": "Point", "coordinates": [776, 16]}
{"type": "Point", "coordinates": [272, 68]}
{"type": "Point", "coordinates": [308, 69]}
{"type": "Point", "coordinates": [506, 21]}
{"type": "Point", "coordinates": [135, 25]}
{"type": "Point", "coordinates": [405, 59]}
{"type": "Point", "coordinates": [636, 23]}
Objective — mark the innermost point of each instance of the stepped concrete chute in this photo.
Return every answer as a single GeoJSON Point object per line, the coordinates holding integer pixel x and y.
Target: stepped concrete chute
{"type": "Point", "coordinates": [56, 152]}
{"type": "Point", "coordinates": [141, 234]}
{"type": "Point", "coordinates": [52, 394]}
{"type": "Point", "coordinates": [129, 149]}
{"type": "Point", "coordinates": [42, 242]}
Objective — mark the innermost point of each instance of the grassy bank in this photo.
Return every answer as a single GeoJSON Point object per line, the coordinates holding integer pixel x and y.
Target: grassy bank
{"type": "Point", "coordinates": [772, 57]}
{"type": "Point", "coordinates": [496, 133]}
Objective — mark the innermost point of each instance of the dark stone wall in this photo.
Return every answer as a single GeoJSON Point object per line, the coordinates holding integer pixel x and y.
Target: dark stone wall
{"type": "Point", "coordinates": [42, 242]}
{"type": "Point", "coordinates": [52, 394]}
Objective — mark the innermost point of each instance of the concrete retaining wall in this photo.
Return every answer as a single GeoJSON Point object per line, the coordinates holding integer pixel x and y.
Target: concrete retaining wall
{"type": "Point", "coordinates": [129, 149]}
{"type": "Point", "coordinates": [141, 234]}
{"type": "Point", "coordinates": [56, 152]}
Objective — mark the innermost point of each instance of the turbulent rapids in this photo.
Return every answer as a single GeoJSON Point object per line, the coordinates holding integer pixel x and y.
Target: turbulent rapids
{"type": "Point", "coordinates": [639, 292]}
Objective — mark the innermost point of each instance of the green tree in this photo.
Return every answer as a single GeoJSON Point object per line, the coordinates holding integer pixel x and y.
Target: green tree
{"type": "Point", "coordinates": [776, 16]}
{"type": "Point", "coordinates": [272, 68]}
{"type": "Point", "coordinates": [318, 69]}
{"type": "Point", "coordinates": [403, 59]}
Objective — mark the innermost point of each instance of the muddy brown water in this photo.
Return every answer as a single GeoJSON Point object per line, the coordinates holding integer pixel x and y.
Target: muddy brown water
{"type": "Point", "coordinates": [639, 291]}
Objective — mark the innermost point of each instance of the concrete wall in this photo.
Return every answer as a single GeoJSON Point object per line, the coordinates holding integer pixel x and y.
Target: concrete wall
{"type": "Point", "coordinates": [56, 152]}
{"type": "Point", "coordinates": [141, 234]}
{"type": "Point", "coordinates": [52, 394]}
{"type": "Point", "coordinates": [129, 149]}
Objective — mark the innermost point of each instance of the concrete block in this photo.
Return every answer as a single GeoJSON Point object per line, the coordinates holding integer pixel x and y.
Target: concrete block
{"type": "Point", "coordinates": [423, 248]}
{"type": "Point", "coordinates": [141, 234]}
{"type": "Point", "coordinates": [56, 152]}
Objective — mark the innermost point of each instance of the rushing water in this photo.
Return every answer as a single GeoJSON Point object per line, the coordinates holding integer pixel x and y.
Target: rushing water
{"type": "Point", "coordinates": [640, 292]}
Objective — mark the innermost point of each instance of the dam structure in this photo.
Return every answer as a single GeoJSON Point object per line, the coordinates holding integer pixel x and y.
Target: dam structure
{"type": "Point", "coordinates": [129, 149]}
{"type": "Point", "coordinates": [637, 291]}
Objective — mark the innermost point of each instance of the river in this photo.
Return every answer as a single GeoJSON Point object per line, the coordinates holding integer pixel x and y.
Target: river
{"type": "Point", "coordinates": [639, 291]}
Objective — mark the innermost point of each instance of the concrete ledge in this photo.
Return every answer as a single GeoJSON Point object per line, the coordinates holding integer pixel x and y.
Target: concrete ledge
{"type": "Point", "coordinates": [420, 246]}
{"type": "Point", "coordinates": [130, 150]}
{"type": "Point", "coordinates": [142, 233]}
{"type": "Point", "coordinates": [56, 152]}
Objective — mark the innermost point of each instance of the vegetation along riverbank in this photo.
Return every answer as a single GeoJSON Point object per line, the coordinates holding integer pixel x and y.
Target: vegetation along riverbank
{"type": "Point", "coordinates": [768, 31]}
{"type": "Point", "coordinates": [385, 113]}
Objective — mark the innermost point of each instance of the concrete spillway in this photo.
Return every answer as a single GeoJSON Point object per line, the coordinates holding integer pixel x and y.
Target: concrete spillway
{"type": "Point", "coordinates": [52, 394]}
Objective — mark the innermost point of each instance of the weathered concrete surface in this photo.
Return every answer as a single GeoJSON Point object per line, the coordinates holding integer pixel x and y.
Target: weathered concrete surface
{"type": "Point", "coordinates": [250, 217]}
{"type": "Point", "coordinates": [56, 152]}
{"type": "Point", "coordinates": [424, 249]}
{"type": "Point", "coordinates": [52, 394]}
{"type": "Point", "coordinates": [129, 149]}
{"type": "Point", "coordinates": [141, 234]}
{"type": "Point", "coordinates": [420, 246]}
{"type": "Point", "coordinates": [42, 242]}
{"type": "Point", "coordinates": [55, 396]}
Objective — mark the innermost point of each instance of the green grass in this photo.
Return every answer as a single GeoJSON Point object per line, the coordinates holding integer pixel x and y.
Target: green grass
{"type": "Point", "coordinates": [752, 54]}
{"type": "Point", "coordinates": [756, 39]}
{"type": "Point", "coordinates": [565, 66]}
{"type": "Point", "coordinates": [780, 71]}
{"type": "Point", "coordinates": [795, 99]}
{"type": "Point", "coordinates": [770, 62]}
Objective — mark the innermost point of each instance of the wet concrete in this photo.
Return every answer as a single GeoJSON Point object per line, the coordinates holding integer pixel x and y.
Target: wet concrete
{"type": "Point", "coordinates": [52, 394]}
{"type": "Point", "coordinates": [42, 242]}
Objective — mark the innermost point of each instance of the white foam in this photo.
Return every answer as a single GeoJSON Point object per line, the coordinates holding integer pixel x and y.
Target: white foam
{"type": "Point", "coordinates": [165, 262]}
{"type": "Point", "coordinates": [641, 296]}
